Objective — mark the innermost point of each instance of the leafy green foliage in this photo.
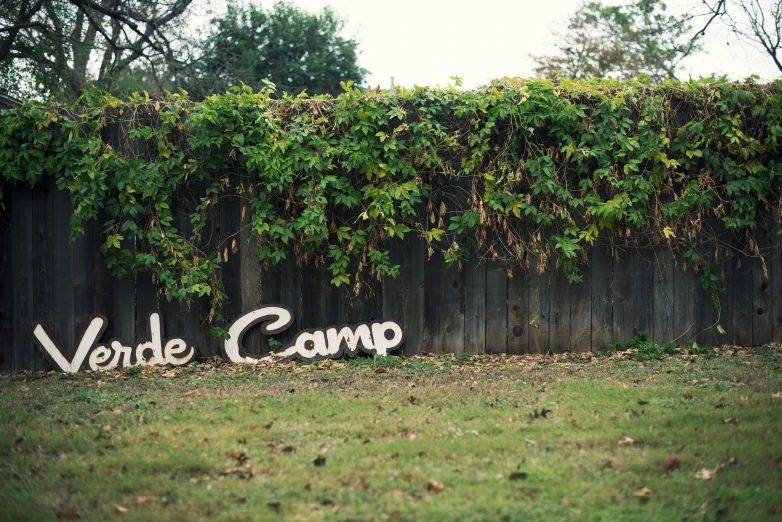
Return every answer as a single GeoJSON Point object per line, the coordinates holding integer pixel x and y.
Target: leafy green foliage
{"type": "Point", "coordinates": [289, 47]}
{"type": "Point", "coordinates": [644, 348]}
{"type": "Point", "coordinates": [521, 170]}
{"type": "Point", "coordinates": [638, 40]}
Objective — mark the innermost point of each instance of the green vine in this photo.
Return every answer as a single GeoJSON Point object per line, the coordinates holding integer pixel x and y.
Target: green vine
{"type": "Point", "coordinates": [517, 171]}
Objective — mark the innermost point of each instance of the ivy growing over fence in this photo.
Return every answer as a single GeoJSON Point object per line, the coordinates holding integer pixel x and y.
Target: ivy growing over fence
{"type": "Point", "coordinates": [518, 170]}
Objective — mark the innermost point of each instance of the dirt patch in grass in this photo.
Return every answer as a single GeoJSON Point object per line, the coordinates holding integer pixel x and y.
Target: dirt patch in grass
{"type": "Point", "coordinates": [473, 438]}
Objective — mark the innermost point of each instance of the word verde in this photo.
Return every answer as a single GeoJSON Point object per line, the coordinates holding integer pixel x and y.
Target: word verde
{"type": "Point", "coordinates": [380, 337]}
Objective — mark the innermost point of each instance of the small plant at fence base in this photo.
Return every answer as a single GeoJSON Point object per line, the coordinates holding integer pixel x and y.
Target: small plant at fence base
{"type": "Point", "coordinates": [641, 347]}
{"type": "Point", "coordinates": [519, 171]}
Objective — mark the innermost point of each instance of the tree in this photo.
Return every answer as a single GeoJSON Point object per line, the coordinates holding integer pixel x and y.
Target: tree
{"type": "Point", "coordinates": [756, 22]}
{"type": "Point", "coordinates": [291, 48]}
{"type": "Point", "coordinates": [54, 47]}
{"type": "Point", "coordinates": [621, 41]}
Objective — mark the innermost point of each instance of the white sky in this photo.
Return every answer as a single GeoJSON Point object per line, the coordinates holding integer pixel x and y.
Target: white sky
{"type": "Point", "coordinates": [424, 42]}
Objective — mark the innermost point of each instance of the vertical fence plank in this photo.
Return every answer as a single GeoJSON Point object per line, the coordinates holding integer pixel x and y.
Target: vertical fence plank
{"type": "Point", "coordinates": [433, 282]}
{"type": "Point", "coordinates": [602, 303]}
{"type": "Point", "coordinates": [452, 310]}
{"type": "Point", "coordinates": [742, 301]}
{"type": "Point", "coordinates": [229, 246]}
{"type": "Point", "coordinates": [704, 312]}
{"type": "Point", "coordinates": [210, 240]}
{"type": "Point", "coordinates": [189, 311]}
{"type": "Point", "coordinates": [104, 301]}
{"type": "Point", "coordinates": [581, 310]}
{"type": "Point", "coordinates": [311, 286]}
{"type": "Point", "coordinates": [496, 307]}
{"type": "Point", "coordinates": [123, 290]}
{"type": "Point", "coordinates": [726, 299]}
{"type": "Point", "coordinates": [413, 311]}
{"type": "Point", "coordinates": [475, 309]}
{"type": "Point", "coordinates": [683, 302]}
{"type": "Point", "coordinates": [761, 289]}
{"type": "Point", "coordinates": [663, 295]}
{"type": "Point", "coordinates": [42, 270]}
{"type": "Point", "coordinates": [333, 299]}
{"type": "Point", "coordinates": [392, 286]}
{"type": "Point", "coordinates": [704, 316]}
{"type": "Point", "coordinates": [776, 276]}
{"type": "Point", "coordinates": [7, 288]}
{"type": "Point", "coordinates": [63, 276]}
{"type": "Point", "coordinates": [623, 294]}
{"type": "Point", "coordinates": [643, 292]}
{"type": "Point", "coordinates": [22, 234]}
{"type": "Point", "coordinates": [84, 279]}
{"type": "Point", "coordinates": [271, 293]}
{"type": "Point", "coordinates": [146, 301]}
{"type": "Point", "coordinates": [367, 306]}
{"type": "Point", "coordinates": [290, 295]}
{"type": "Point", "coordinates": [518, 311]}
{"type": "Point", "coordinates": [539, 308]}
{"type": "Point", "coordinates": [124, 309]}
{"type": "Point", "coordinates": [560, 309]}
{"type": "Point", "coordinates": [372, 308]}
{"type": "Point", "coordinates": [249, 267]}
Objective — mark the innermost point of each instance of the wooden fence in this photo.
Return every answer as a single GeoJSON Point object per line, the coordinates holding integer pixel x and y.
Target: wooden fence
{"type": "Point", "coordinates": [480, 309]}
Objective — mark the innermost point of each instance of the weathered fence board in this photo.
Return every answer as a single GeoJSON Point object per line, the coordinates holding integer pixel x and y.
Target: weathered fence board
{"type": "Point", "coordinates": [602, 305]}
{"type": "Point", "coordinates": [22, 278]}
{"type": "Point", "coordinates": [475, 303]}
{"type": "Point", "coordinates": [496, 312]}
{"type": "Point", "coordinates": [539, 308]}
{"type": "Point", "coordinates": [761, 291]}
{"type": "Point", "coordinates": [559, 304]}
{"type": "Point", "coordinates": [486, 307]}
{"type": "Point", "coordinates": [518, 312]}
{"type": "Point", "coordinates": [663, 294]}
{"type": "Point", "coordinates": [623, 294]}
{"type": "Point", "coordinates": [643, 292]}
{"type": "Point", "coordinates": [581, 311]}
{"type": "Point", "coordinates": [742, 301]}
{"type": "Point", "coordinates": [6, 290]}
{"type": "Point", "coordinates": [683, 302]}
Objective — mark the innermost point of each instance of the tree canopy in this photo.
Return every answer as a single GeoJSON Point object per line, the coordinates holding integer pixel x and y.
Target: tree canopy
{"type": "Point", "coordinates": [289, 47]}
{"type": "Point", "coordinates": [55, 47]}
{"type": "Point", "coordinates": [620, 41]}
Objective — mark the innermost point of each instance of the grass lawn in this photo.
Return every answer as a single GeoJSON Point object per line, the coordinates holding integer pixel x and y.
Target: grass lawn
{"type": "Point", "coordinates": [424, 438]}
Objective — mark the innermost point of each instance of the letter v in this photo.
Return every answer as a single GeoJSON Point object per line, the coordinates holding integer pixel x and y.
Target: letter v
{"type": "Point", "coordinates": [52, 351]}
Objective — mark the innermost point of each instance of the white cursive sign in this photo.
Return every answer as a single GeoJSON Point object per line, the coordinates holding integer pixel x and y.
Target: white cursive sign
{"type": "Point", "coordinates": [380, 337]}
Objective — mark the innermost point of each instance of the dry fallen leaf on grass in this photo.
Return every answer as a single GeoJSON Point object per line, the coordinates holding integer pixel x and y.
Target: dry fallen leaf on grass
{"type": "Point", "coordinates": [140, 499]}
{"type": "Point", "coordinates": [643, 493]}
{"type": "Point", "coordinates": [105, 429]}
{"type": "Point", "coordinates": [777, 395]}
{"type": "Point", "coordinates": [624, 439]}
{"type": "Point", "coordinates": [672, 465]}
{"type": "Point", "coordinates": [120, 509]}
{"type": "Point", "coordinates": [435, 486]}
{"type": "Point", "coordinates": [708, 474]}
